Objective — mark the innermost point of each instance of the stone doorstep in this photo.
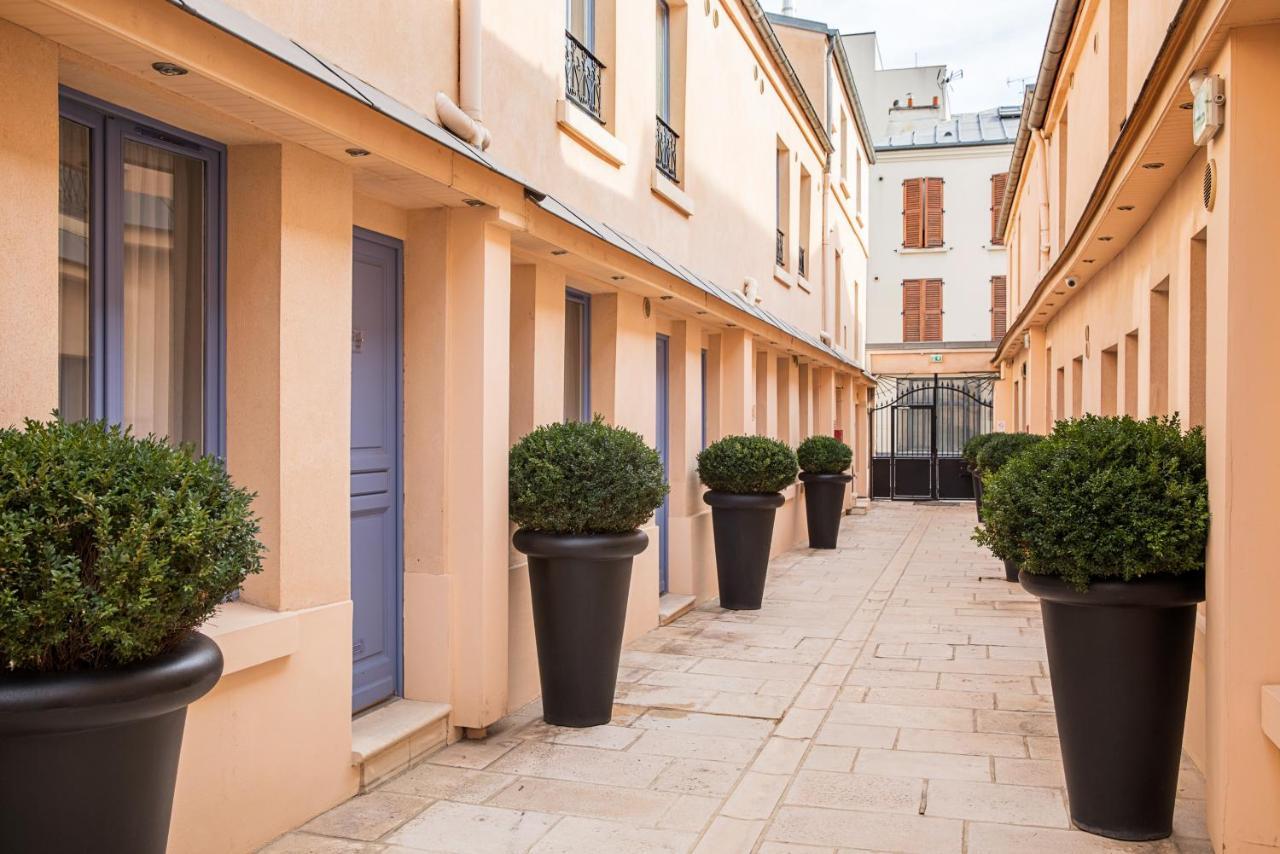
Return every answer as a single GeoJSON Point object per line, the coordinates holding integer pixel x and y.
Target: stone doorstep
{"type": "Point", "coordinates": [392, 737]}
{"type": "Point", "coordinates": [859, 508]}
{"type": "Point", "coordinates": [673, 606]}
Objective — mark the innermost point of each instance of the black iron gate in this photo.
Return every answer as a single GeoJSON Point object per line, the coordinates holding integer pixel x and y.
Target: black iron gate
{"type": "Point", "coordinates": [918, 427]}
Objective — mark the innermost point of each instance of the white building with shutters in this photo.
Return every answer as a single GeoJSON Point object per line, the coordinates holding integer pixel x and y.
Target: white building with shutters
{"type": "Point", "coordinates": [936, 300]}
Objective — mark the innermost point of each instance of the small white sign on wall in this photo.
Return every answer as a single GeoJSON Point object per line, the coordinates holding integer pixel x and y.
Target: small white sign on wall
{"type": "Point", "coordinates": [1206, 109]}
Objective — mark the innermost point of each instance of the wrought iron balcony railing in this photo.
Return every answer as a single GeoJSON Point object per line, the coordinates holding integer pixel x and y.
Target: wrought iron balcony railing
{"type": "Point", "coordinates": [780, 255]}
{"type": "Point", "coordinates": [666, 149]}
{"type": "Point", "coordinates": [803, 266]}
{"type": "Point", "coordinates": [582, 74]}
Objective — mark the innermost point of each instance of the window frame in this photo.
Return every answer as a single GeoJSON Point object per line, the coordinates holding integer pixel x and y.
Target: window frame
{"type": "Point", "coordinates": [110, 126]}
{"type": "Point", "coordinates": [704, 397]}
{"type": "Point", "coordinates": [582, 298]}
{"type": "Point", "coordinates": [664, 61]}
{"type": "Point", "coordinates": [588, 22]}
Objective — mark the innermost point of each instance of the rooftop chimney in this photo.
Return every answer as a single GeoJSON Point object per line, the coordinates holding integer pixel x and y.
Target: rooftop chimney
{"type": "Point", "coordinates": [788, 7]}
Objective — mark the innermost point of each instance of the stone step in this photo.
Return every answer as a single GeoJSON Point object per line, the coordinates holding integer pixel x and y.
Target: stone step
{"type": "Point", "coordinates": [672, 606]}
{"type": "Point", "coordinates": [396, 735]}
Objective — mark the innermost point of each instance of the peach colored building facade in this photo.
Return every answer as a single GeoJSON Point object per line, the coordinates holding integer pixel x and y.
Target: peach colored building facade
{"type": "Point", "coordinates": [244, 223]}
{"type": "Point", "coordinates": [1142, 252]}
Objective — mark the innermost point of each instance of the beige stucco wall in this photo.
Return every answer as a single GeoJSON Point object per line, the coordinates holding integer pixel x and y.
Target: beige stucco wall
{"type": "Point", "coordinates": [28, 226]}
{"type": "Point", "coordinates": [483, 331]}
{"type": "Point", "coordinates": [1207, 273]}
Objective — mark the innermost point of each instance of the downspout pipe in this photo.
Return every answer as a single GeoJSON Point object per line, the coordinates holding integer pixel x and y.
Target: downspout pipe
{"type": "Point", "coordinates": [465, 120]}
{"type": "Point", "coordinates": [829, 321]}
{"type": "Point", "coordinates": [1033, 114]}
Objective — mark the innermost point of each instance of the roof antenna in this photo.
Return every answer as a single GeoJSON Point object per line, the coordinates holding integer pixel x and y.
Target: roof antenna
{"type": "Point", "coordinates": [789, 7]}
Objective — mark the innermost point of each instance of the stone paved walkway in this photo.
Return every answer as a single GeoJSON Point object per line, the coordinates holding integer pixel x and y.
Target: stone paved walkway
{"type": "Point", "coordinates": [891, 696]}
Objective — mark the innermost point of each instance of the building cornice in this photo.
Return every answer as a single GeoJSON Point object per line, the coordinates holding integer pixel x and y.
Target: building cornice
{"type": "Point", "coordinates": [760, 20]}
{"type": "Point", "coordinates": [1143, 121]}
{"type": "Point", "coordinates": [843, 68]}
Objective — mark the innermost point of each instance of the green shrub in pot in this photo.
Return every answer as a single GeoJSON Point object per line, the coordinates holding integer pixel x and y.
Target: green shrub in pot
{"type": "Point", "coordinates": [580, 492]}
{"type": "Point", "coordinates": [746, 475]}
{"type": "Point", "coordinates": [584, 478]}
{"type": "Point", "coordinates": [973, 446]}
{"type": "Point", "coordinates": [1102, 498]}
{"type": "Point", "coordinates": [1002, 447]}
{"type": "Point", "coordinates": [992, 455]}
{"type": "Point", "coordinates": [113, 549]}
{"type": "Point", "coordinates": [824, 455]}
{"type": "Point", "coordinates": [1109, 518]}
{"type": "Point", "coordinates": [969, 453]}
{"type": "Point", "coordinates": [747, 465]}
{"type": "Point", "coordinates": [824, 461]}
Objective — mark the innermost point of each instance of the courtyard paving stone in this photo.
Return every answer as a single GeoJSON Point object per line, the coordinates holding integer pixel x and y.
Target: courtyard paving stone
{"type": "Point", "coordinates": [892, 695]}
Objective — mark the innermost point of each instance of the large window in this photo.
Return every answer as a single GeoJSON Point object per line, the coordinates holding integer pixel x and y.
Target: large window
{"type": "Point", "coordinates": [998, 183]}
{"type": "Point", "coordinates": [922, 213]}
{"type": "Point", "coordinates": [782, 189]}
{"type": "Point", "coordinates": [580, 21]}
{"type": "Point", "coordinates": [999, 307]}
{"type": "Point", "coordinates": [583, 70]}
{"type": "Point", "coordinates": [663, 61]}
{"type": "Point", "coordinates": [140, 296]}
{"type": "Point", "coordinates": [922, 310]}
{"type": "Point", "coordinates": [704, 397]}
{"type": "Point", "coordinates": [666, 140]}
{"type": "Point", "coordinates": [577, 356]}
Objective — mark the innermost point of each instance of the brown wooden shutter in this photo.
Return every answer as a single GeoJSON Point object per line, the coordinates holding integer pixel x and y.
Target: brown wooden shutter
{"type": "Point", "coordinates": [997, 199]}
{"type": "Point", "coordinates": [911, 313]}
{"type": "Point", "coordinates": [932, 212]}
{"type": "Point", "coordinates": [932, 323]}
{"type": "Point", "coordinates": [999, 307]}
{"type": "Point", "coordinates": [913, 213]}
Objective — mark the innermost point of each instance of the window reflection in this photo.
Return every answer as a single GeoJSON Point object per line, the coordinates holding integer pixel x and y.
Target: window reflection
{"type": "Point", "coordinates": [163, 293]}
{"type": "Point", "coordinates": [74, 199]}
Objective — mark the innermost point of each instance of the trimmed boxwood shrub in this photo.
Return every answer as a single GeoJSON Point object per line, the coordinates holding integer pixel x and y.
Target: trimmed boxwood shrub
{"type": "Point", "coordinates": [747, 465]}
{"type": "Point", "coordinates": [1001, 447]}
{"type": "Point", "coordinates": [824, 455]}
{"type": "Point", "coordinates": [969, 453]}
{"type": "Point", "coordinates": [112, 547]}
{"type": "Point", "coordinates": [584, 478]}
{"type": "Point", "coordinates": [1102, 498]}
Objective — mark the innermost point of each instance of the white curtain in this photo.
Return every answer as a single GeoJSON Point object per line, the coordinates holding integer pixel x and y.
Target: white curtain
{"type": "Point", "coordinates": [163, 293]}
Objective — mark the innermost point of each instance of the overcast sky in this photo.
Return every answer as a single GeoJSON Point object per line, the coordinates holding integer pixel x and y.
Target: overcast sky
{"type": "Point", "coordinates": [991, 40]}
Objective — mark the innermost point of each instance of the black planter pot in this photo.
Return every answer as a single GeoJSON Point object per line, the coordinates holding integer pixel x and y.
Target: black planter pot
{"type": "Point", "coordinates": [1010, 571]}
{"type": "Point", "coordinates": [1120, 662]}
{"type": "Point", "coordinates": [579, 586]}
{"type": "Point", "coordinates": [977, 496]}
{"type": "Point", "coordinates": [743, 528]}
{"type": "Point", "coordinates": [823, 506]}
{"type": "Point", "coordinates": [91, 756]}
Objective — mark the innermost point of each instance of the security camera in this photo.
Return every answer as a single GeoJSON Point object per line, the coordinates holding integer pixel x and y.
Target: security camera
{"type": "Point", "coordinates": [1072, 281]}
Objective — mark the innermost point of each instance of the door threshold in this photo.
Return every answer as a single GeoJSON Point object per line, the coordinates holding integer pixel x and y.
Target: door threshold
{"type": "Point", "coordinates": [392, 736]}
{"type": "Point", "coordinates": [673, 606]}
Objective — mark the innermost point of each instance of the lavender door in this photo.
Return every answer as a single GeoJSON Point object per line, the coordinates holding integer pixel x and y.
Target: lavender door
{"type": "Point", "coordinates": [375, 469]}
{"type": "Point", "coordinates": [661, 407]}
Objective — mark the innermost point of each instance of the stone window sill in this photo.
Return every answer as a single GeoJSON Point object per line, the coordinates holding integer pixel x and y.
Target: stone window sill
{"type": "Point", "coordinates": [576, 122]}
{"type": "Point", "coordinates": [669, 191]}
{"type": "Point", "coordinates": [931, 250]}
{"type": "Point", "coordinates": [249, 636]}
{"type": "Point", "coordinates": [784, 276]}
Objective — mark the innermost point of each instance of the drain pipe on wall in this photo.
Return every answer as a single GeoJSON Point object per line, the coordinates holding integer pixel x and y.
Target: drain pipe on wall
{"type": "Point", "coordinates": [830, 323]}
{"type": "Point", "coordinates": [466, 120]}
